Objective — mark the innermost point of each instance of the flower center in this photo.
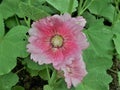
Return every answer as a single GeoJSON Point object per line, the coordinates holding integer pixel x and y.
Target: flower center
{"type": "Point", "coordinates": [57, 41]}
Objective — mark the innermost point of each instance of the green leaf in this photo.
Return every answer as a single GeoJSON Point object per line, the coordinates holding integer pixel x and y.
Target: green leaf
{"type": "Point", "coordinates": [32, 12]}
{"type": "Point", "coordinates": [116, 40]}
{"type": "Point", "coordinates": [102, 8]}
{"type": "Point", "coordinates": [9, 8]}
{"type": "Point", "coordinates": [18, 88]}
{"type": "Point", "coordinates": [97, 62]}
{"type": "Point", "coordinates": [1, 27]}
{"type": "Point", "coordinates": [12, 45]}
{"type": "Point", "coordinates": [7, 81]}
{"type": "Point", "coordinates": [62, 5]}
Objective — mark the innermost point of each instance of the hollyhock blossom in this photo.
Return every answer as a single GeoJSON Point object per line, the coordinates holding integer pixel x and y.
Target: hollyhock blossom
{"type": "Point", "coordinates": [57, 38]}
{"type": "Point", "coordinates": [74, 71]}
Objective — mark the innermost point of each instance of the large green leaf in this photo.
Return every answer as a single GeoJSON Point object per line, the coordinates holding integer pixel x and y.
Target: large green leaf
{"type": "Point", "coordinates": [12, 45]}
{"type": "Point", "coordinates": [32, 12]}
{"type": "Point", "coordinates": [102, 8]}
{"type": "Point", "coordinates": [98, 58]}
{"type": "Point", "coordinates": [62, 5]}
{"type": "Point", "coordinates": [7, 81]}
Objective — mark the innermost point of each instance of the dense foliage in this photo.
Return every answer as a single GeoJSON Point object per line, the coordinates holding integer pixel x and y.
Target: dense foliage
{"type": "Point", "coordinates": [102, 30]}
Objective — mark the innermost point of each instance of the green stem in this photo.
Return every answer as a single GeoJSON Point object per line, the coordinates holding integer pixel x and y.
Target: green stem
{"type": "Point", "coordinates": [113, 71]}
{"type": "Point", "coordinates": [48, 73]}
{"type": "Point", "coordinates": [70, 6]}
{"type": "Point", "coordinates": [27, 21]}
{"type": "Point", "coordinates": [17, 20]}
{"type": "Point", "coordinates": [80, 6]}
{"type": "Point", "coordinates": [20, 70]}
{"type": "Point", "coordinates": [85, 7]}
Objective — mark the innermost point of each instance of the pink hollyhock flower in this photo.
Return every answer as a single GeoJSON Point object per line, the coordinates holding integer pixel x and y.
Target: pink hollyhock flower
{"type": "Point", "coordinates": [55, 39]}
{"type": "Point", "coordinates": [74, 72]}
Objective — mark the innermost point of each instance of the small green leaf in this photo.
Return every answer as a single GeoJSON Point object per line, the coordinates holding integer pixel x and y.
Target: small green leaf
{"type": "Point", "coordinates": [47, 87]}
{"type": "Point", "coordinates": [32, 12]}
{"type": "Point", "coordinates": [33, 72]}
{"type": "Point", "coordinates": [7, 81]}
{"type": "Point", "coordinates": [13, 45]}
{"type": "Point", "coordinates": [63, 5]}
{"type": "Point", "coordinates": [11, 22]}
{"type": "Point", "coordinates": [43, 74]}
{"type": "Point", "coordinates": [33, 65]}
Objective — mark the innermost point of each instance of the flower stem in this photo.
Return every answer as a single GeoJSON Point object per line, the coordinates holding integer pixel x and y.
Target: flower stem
{"type": "Point", "coordinates": [27, 21]}
{"type": "Point", "coordinates": [53, 78]}
{"type": "Point", "coordinates": [20, 70]}
{"type": "Point", "coordinates": [113, 71]}
{"type": "Point", "coordinates": [70, 6]}
{"type": "Point", "coordinates": [48, 73]}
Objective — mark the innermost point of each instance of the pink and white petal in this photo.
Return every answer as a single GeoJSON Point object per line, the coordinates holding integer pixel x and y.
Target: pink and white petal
{"type": "Point", "coordinates": [82, 40]}
{"type": "Point", "coordinates": [65, 17]}
{"type": "Point", "coordinates": [32, 49]}
{"type": "Point", "coordinates": [33, 31]}
{"type": "Point", "coordinates": [71, 48]}
{"type": "Point", "coordinates": [75, 81]}
{"type": "Point", "coordinates": [81, 21]}
{"type": "Point", "coordinates": [68, 81]}
{"type": "Point", "coordinates": [40, 58]}
{"type": "Point", "coordinates": [56, 56]}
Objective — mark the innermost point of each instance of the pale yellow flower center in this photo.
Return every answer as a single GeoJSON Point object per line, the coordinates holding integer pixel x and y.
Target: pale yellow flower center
{"type": "Point", "coordinates": [57, 41]}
